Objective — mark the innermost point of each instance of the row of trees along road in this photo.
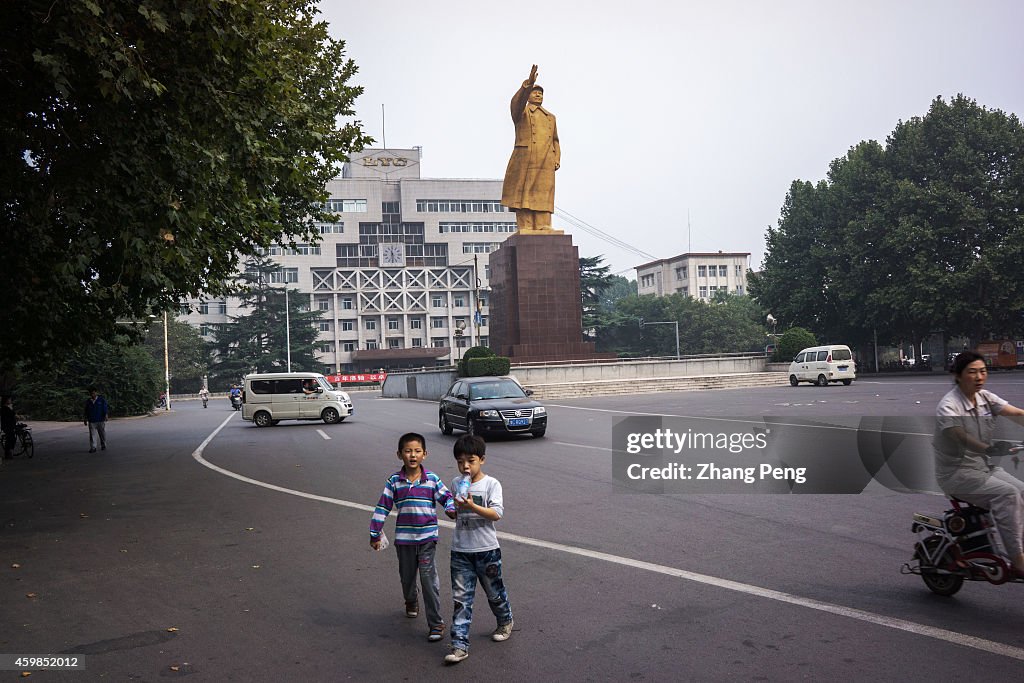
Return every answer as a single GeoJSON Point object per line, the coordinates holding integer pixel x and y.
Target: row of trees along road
{"type": "Point", "coordinates": [922, 235]}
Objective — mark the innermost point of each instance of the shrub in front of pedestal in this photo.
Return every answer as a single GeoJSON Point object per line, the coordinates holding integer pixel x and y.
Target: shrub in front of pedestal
{"type": "Point", "coordinates": [490, 366]}
{"type": "Point", "coordinates": [471, 353]}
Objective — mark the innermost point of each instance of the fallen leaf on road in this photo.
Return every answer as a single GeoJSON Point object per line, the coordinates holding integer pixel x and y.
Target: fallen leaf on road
{"type": "Point", "coordinates": [172, 629]}
{"type": "Point", "coordinates": [83, 515]}
{"type": "Point", "coordinates": [250, 528]}
{"type": "Point", "coordinates": [175, 668]}
{"type": "Point", "coordinates": [26, 674]}
{"type": "Point", "coordinates": [15, 566]}
{"type": "Point", "coordinates": [123, 550]}
{"type": "Point", "coordinates": [255, 566]}
{"type": "Point", "coordinates": [31, 595]}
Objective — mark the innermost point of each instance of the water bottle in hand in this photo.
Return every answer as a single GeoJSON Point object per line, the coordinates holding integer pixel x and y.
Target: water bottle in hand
{"type": "Point", "coordinates": [462, 488]}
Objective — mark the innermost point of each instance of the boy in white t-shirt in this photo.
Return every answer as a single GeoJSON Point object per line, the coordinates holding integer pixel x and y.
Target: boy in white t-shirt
{"type": "Point", "coordinates": [476, 555]}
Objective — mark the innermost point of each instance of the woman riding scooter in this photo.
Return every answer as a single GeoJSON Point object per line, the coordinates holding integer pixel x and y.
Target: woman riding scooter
{"type": "Point", "coordinates": [963, 443]}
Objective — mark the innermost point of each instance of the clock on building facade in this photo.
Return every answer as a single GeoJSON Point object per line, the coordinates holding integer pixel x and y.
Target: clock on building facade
{"type": "Point", "coordinates": [392, 254]}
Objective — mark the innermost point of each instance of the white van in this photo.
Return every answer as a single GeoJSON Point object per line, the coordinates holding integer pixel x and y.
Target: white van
{"type": "Point", "coordinates": [823, 364]}
{"type": "Point", "coordinates": [269, 398]}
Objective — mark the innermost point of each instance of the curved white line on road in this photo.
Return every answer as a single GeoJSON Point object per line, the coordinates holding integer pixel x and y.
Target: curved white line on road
{"type": "Point", "coordinates": [745, 588]}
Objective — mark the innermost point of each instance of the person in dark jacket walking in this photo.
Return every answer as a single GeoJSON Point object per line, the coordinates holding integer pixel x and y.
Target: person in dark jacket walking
{"type": "Point", "coordinates": [8, 423]}
{"type": "Point", "coordinates": [96, 412]}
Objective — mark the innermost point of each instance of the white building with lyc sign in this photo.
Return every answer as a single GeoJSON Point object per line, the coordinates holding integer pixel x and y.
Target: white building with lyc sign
{"type": "Point", "coordinates": [402, 276]}
{"type": "Point", "coordinates": [699, 275]}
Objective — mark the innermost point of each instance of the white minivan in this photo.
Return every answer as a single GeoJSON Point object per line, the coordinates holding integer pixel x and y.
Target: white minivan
{"type": "Point", "coordinates": [269, 398]}
{"type": "Point", "coordinates": [823, 364]}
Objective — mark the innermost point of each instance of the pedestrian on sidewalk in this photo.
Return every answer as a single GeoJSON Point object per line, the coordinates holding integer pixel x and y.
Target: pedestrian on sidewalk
{"type": "Point", "coordinates": [8, 424]}
{"type": "Point", "coordinates": [415, 491]}
{"type": "Point", "coordinates": [96, 413]}
{"type": "Point", "coordinates": [476, 555]}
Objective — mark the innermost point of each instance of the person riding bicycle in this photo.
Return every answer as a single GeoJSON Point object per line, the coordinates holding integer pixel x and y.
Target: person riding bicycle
{"type": "Point", "coordinates": [963, 444]}
{"type": "Point", "coordinates": [8, 425]}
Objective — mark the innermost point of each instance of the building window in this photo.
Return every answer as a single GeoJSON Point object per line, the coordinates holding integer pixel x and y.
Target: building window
{"type": "Point", "coordinates": [392, 324]}
{"type": "Point", "coordinates": [681, 273]}
{"type": "Point", "coordinates": [371, 345]}
{"type": "Point", "coordinates": [417, 343]}
{"type": "Point", "coordinates": [346, 303]}
{"type": "Point", "coordinates": [183, 308]}
{"type": "Point", "coordinates": [438, 342]}
{"type": "Point", "coordinates": [739, 289]}
{"type": "Point", "coordinates": [204, 308]}
{"type": "Point", "coordinates": [485, 341]}
{"type": "Point", "coordinates": [415, 323]}
{"type": "Point", "coordinates": [702, 271]}
{"type": "Point", "coordinates": [331, 228]}
{"type": "Point", "coordinates": [325, 326]}
{"type": "Point", "coordinates": [459, 206]}
{"type": "Point", "coordinates": [448, 227]}
{"type": "Point", "coordinates": [438, 323]}
{"type": "Point", "coordinates": [479, 247]}
{"type": "Point", "coordinates": [205, 330]}
{"type": "Point", "coordinates": [459, 300]}
{"type": "Point", "coordinates": [437, 300]}
{"type": "Point", "coordinates": [703, 292]}
{"type": "Point", "coordinates": [723, 271]}
{"type": "Point", "coordinates": [348, 347]}
{"type": "Point", "coordinates": [685, 291]}
{"type": "Point", "coordinates": [739, 270]}
{"type": "Point", "coordinates": [394, 343]}
{"type": "Point", "coordinates": [461, 342]}
{"type": "Point", "coordinates": [347, 325]}
{"type": "Point", "coordinates": [370, 324]}
{"type": "Point", "coordinates": [323, 305]}
{"type": "Point", "coordinates": [285, 275]}
{"type": "Point", "coordinates": [346, 205]}
{"type": "Point", "coordinates": [222, 307]}
{"type": "Point", "coordinates": [483, 321]}
{"type": "Point", "coordinates": [327, 348]}
{"type": "Point", "coordinates": [646, 280]}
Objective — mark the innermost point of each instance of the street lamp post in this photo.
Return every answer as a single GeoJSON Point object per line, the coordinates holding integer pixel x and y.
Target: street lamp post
{"type": "Point", "coordinates": [287, 328]}
{"type": "Point", "coordinates": [167, 369]}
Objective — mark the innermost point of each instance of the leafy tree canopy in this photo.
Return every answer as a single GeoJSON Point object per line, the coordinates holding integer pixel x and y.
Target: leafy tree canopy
{"type": "Point", "coordinates": [149, 146]}
{"type": "Point", "coordinates": [925, 234]}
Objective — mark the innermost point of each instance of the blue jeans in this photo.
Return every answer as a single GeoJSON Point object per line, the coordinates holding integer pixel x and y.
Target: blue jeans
{"type": "Point", "coordinates": [467, 569]}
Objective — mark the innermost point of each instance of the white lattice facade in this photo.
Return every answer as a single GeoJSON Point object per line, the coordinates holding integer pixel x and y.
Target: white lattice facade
{"type": "Point", "coordinates": [400, 272]}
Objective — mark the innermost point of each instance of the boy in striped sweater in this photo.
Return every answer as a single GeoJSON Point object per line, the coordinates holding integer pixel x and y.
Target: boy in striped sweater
{"type": "Point", "coordinates": [415, 491]}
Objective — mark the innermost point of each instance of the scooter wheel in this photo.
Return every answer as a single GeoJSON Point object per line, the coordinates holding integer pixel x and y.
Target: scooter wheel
{"type": "Point", "coordinates": [942, 584]}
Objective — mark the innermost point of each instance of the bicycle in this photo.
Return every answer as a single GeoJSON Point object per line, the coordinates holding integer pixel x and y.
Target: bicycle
{"type": "Point", "coordinates": [23, 442]}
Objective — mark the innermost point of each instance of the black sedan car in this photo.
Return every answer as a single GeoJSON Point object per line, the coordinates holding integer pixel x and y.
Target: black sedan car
{"type": "Point", "coordinates": [491, 405]}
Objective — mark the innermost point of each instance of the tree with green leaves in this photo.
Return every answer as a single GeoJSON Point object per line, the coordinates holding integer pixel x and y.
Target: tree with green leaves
{"type": "Point", "coordinates": [149, 147]}
{"type": "Point", "coordinates": [188, 354]}
{"type": "Point", "coordinates": [923, 235]}
{"type": "Point", "coordinates": [258, 341]}
{"type": "Point", "coordinates": [594, 280]}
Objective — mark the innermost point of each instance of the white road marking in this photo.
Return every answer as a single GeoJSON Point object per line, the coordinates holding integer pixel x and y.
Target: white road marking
{"type": "Point", "coordinates": [323, 434]}
{"type": "Point", "coordinates": [953, 637]}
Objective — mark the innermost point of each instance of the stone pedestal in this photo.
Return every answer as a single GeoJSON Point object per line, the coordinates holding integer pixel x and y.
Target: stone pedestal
{"type": "Point", "coordinates": [535, 312]}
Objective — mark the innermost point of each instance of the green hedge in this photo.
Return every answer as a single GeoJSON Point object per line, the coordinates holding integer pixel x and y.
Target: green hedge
{"type": "Point", "coordinates": [480, 367]}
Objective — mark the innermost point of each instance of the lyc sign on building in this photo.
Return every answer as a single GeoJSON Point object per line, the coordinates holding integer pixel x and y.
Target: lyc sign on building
{"type": "Point", "coordinates": [385, 161]}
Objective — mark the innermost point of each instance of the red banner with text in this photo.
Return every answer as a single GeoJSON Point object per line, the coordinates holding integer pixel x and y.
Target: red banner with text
{"type": "Point", "coordinates": [361, 377]}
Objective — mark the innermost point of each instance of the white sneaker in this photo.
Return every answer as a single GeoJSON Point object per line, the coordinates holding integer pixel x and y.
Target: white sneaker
{"type": "Point", "coordinates": [455, 656]}
{"type": "Point", "coordinates": [502, 633]}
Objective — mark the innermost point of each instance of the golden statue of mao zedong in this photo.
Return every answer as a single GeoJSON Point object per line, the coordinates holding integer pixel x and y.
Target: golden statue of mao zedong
{"type": "Point", "coordinates": [529, 186]}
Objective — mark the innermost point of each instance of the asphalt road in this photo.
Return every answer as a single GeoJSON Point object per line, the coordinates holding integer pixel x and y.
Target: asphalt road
{"type": "Point", "coordinates": [245, 557]}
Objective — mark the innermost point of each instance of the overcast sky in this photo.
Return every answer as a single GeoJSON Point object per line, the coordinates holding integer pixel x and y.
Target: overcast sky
{"type": "Point", "coordinates": [664, 108]}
